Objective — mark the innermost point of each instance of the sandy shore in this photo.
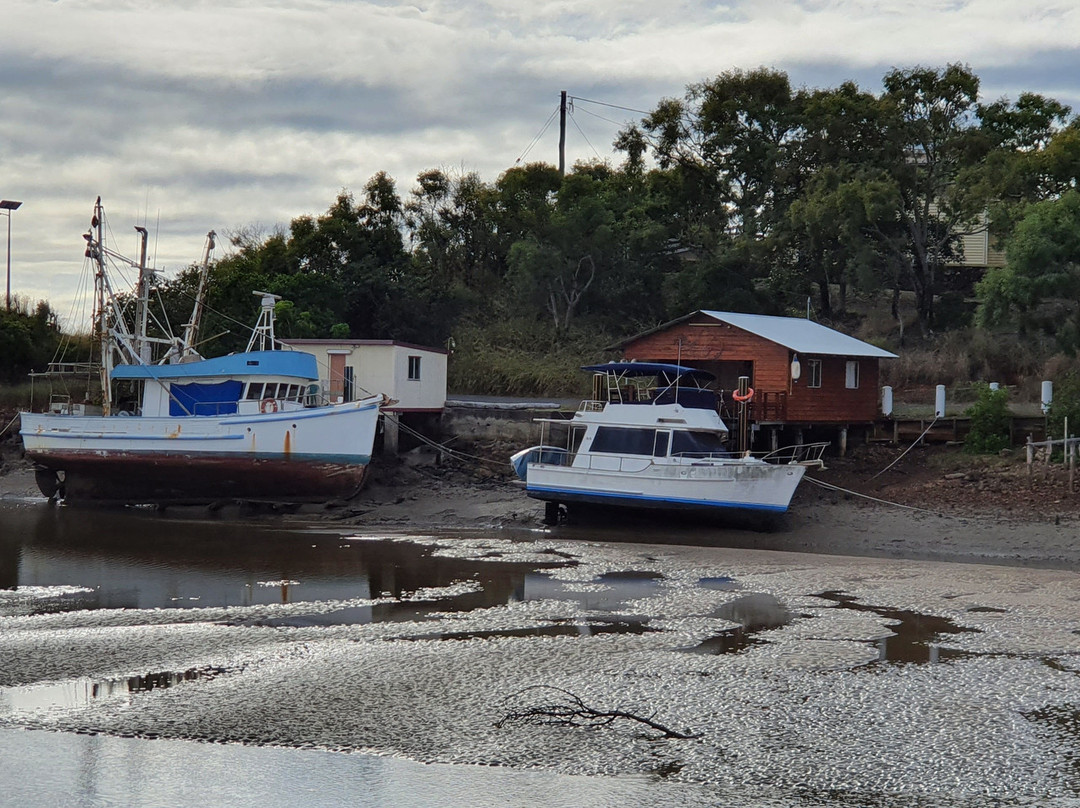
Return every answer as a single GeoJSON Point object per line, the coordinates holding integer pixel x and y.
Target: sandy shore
{"type": "Point", "coordinates": [415, 494]}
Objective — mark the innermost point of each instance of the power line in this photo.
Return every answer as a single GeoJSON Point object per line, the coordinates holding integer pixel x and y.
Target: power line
{"type": "Point", "coordinates": [582, 132]}
{"type": "Point", "coordinates": [539, 135]}
{"type": "Point", "coordinates": [605, 104]}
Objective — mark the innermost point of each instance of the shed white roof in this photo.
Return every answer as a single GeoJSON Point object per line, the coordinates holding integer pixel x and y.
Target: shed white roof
{"type": "Point", "coordinates": [804, 336]}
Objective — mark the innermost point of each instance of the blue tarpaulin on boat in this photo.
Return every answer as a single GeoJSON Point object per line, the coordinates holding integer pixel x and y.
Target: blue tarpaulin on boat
{"type": "Point", "coordinates": [204, 399]}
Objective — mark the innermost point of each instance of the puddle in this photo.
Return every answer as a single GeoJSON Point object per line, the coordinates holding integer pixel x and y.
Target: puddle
{"type": "Point", "coordinates": [754, 613]}
{"type": "Point", "coordinates": [608, 592]}
{"type": "Point", "coordinates": [77, 693]}
{"type": "Point", "coordinates": [62, 560]}
{"type": "Point", "coordinates": [915, 633]}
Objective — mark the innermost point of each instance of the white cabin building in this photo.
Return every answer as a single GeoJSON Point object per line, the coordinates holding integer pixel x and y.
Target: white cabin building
{"type": "Point", "coordinates": [414, 376]}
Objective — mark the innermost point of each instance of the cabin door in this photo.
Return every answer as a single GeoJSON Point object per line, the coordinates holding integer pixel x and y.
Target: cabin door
{"type": "Point", "coordinates": [337, 377]}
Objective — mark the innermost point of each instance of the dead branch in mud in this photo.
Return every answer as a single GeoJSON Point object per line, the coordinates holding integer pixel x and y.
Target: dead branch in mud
{"type": "Point", "coordinates": [568, 710]}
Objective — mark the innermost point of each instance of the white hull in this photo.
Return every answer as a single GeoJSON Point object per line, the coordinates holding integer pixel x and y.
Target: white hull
{"type": "Point", "coordinates": [640, 482]}
{"type": "Point", "coordinates": [303, 454]}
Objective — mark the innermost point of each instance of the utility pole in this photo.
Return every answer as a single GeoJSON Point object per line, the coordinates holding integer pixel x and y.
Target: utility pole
{"type": "Point", "coordinates": [562, 133]}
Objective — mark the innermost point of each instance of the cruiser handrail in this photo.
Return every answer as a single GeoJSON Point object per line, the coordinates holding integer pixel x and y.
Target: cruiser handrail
{"type": "Point", "coordinates": [804, 454]}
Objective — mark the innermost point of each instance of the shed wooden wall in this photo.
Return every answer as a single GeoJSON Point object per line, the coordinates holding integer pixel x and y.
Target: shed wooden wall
{"type": "Point", "coordinates": [706, 343]}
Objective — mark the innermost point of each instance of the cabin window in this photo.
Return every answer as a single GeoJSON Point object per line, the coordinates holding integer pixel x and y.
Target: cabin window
{"type": "Point", "coordinates": [660, 445]}
{"type": "Point", "coordinates": [618, 440]}
{"type": "Point", "coordinates": [851, 378]}
{"type": "Point", "coordinates": [813, 373]}
{"type": "Point", "coordinates": [254, 391]}
{"type": "Point", "coordinates": [414, 368]}
{"type": "Point", "coordinates": [696, 444]}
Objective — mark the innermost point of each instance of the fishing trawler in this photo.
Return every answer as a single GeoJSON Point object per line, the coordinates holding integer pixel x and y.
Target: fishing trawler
{"type": "Point", "coordinates": [652, 437]}
{"type": "Point", "coordinates": [250, 426]}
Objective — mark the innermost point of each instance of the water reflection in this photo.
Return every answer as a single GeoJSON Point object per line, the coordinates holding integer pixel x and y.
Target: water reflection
{"type": "Point", "coordinates": [754, 613]}
{"type": "Point", "coordinates": [142, 560]}
{"type": "Point", "coordinates": [75, 693]}
{"type": "Point", "coordinates": [914, 633]}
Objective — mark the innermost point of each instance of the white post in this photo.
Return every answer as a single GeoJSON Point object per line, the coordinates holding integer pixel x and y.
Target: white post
{"type": "Point", "coordinates": [1047, 396]}
{"type": "Point", "coordinates": [886, 401]}
{"type": "Point", "coordinates": [939, 402]}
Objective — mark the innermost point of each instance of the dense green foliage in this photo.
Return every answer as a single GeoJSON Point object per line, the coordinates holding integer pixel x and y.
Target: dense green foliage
{"type": "Point", "coordinates": [746, 194]}
{"type": "Point", "coordinates": [28, 340]}
{"type": "Point", "coordinates": [990, 419]}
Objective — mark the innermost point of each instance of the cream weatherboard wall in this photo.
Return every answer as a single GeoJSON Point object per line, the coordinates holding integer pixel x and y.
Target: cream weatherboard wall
{"type": "Point", "coordinates": [413, 375]}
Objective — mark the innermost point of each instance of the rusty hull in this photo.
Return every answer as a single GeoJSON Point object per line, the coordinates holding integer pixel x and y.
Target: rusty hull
{"type": "Point", "coordinates": [177, 478]}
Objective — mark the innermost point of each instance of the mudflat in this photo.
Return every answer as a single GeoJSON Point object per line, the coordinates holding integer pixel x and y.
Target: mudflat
{"type": "Point", "coordinates": [882, 502]}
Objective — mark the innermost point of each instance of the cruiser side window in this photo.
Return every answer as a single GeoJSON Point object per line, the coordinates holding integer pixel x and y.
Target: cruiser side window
{"type": "Point", "coordinates": [661, 444]}
{"type": "Point", "coordinates": [696, 444]}
{"type": "Point", "coordinates": [617, 440]}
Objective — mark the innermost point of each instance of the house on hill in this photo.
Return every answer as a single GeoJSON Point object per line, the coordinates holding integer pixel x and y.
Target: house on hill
{"type": "Point", "coordinates": [804, 375]}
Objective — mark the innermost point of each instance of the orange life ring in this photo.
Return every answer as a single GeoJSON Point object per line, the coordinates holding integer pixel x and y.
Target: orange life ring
{"type": "Point", "coordinates": [749, 395]}
{"type": "Point", "coordinates": [268, 405]}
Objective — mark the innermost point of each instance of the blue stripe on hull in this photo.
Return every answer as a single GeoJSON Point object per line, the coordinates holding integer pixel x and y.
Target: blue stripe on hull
{"type": "Point", "coordinates": [638, 501]}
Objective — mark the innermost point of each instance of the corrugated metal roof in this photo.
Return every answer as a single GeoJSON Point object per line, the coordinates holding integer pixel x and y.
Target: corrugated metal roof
{"type": "Point", "coordinates": [804, 336]}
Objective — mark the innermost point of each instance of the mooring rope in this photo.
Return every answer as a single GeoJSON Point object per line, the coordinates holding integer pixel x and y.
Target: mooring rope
{"type": "Point", "coordinates": [831, 487]}
{"type": "Point", "coordinates": [908, 449]}
{"type": "Point", "coordinates": [9, 423]}
{"type": "Point", "coordinates": [454, 453]}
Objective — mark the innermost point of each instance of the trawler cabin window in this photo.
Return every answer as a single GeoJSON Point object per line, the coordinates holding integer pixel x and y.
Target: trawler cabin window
{"type": "Point", "coordinates": [619, 440]}
{"type": "Point", "coordinates": [254, 391]}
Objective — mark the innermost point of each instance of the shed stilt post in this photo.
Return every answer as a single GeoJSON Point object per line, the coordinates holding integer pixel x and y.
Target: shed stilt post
{"type": "Point", "coordinates": [1030, 458]}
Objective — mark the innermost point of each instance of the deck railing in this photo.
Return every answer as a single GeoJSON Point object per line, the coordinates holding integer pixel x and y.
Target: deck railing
{"type": "Point", "coordinates": [804, 454]}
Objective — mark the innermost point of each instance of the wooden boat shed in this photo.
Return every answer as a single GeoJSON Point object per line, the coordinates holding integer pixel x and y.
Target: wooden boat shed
{"type": "Point", "coordinates": [805, 376]}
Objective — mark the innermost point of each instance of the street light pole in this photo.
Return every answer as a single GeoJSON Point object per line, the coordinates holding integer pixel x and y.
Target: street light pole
{"type": "Point", "coordinates": [9, 206]}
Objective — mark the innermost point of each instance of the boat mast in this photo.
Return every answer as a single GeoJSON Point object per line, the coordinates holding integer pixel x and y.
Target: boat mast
{"type": "Point", "coordinates": [142, 307]}
{"type": "Point", "coordinates": [95, 253]}
{"type": "Point", "coordinates": [191, 328]}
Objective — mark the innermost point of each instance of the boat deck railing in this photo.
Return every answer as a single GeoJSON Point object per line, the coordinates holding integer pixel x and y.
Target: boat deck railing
{"type": "Point", "coordinates": [803, 454]}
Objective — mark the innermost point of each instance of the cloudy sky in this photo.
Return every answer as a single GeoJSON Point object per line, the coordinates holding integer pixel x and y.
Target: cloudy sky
{"type": "Point", "coordinates": [230, 114]}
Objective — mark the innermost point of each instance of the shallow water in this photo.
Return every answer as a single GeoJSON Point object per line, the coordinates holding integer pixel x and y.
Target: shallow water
{"type": "Point", "coordinates": [374, 668]}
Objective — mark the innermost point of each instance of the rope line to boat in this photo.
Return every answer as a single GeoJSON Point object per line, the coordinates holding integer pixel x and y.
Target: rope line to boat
{"type": "Point", "coordinates": [831, 487]}
{"type": "Point", "coordinates": [9, 423]}
{"type": "Point", "coordinates": [454, 453]}
{"type": "Point", "coordinates": [908, 449]}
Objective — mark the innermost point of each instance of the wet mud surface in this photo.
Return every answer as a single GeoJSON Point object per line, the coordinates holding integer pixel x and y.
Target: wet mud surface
{"type": "Point", "coordinates": [802, 679]}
